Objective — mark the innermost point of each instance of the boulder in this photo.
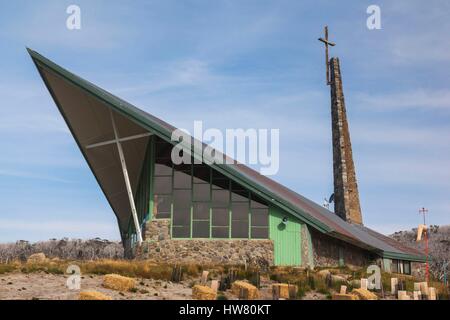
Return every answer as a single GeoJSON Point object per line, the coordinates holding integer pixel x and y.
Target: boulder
{"type": "Point", "coordinates": [200, 292]}
{"type": "Point", "coordinates": [338, 279]}
{"type": "Point", "coordinates": [324, 273]}
{"type": "Point", "coordinates": [119, 283]}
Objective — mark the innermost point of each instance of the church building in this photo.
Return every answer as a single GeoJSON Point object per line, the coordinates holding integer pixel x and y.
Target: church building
{"type": "Point", "coordinates": [215, 213]}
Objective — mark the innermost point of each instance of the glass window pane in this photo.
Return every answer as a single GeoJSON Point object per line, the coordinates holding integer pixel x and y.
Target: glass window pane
{"type": "Point", "coordinates": [260, 217]}
{"type": "Point", "coordinates": [182, 179]}
{"type": "Point", "coordinates": [163, 149]}
{"type": "Point", "coordinates": [201, 192]}
{"type": "Point", "coordinates": [258, 202]}
{"type": "Point", "coordinates": [220, 217]}
{"type": "Point", "coordinates": [220, 198]}
{"type": "Point", "coordinates": [183, 167]}
{"type": "Point", "coordinates": [201, 174]}
{"type": "Point", "coordinates": [221, 184]}
{"type": "Point", "coordinates": [201, 211]}
{"type": "Point", "coordinates": [200, 229]}
{"type": "Point", "coordinates": [217, 174]}
{"type": "Point", "coordinates": [406, 267]}
{"type": "Point", "coordinates": [181, 217]}
{"type": "Point", "coordinates": [239, 211]}
{"type": "Point", "coordinates": [161, 206]}
{"type": "Point", "coordinates": [163, 169]}
{"type": "Point", "coordinates": [260, 233]}
{"type": "Point", "coordinates": [239, 229]}
{"type": "Point", "coordinates": [395, 266]}
{"type": "Point", "coordinates": [239, 196]}
{"type": "Point", "coordinates": [182, 199]}
{"type": "Point", "coordinates": [163, 185]}
{"type": "Point", "coordinates": [181, 232]}
{"type": "Point", "coordinates": [220, 232]}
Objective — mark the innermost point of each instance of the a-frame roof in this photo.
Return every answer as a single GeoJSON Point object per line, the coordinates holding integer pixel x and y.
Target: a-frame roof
{"type": "Point", "coordinates": [87, 109]}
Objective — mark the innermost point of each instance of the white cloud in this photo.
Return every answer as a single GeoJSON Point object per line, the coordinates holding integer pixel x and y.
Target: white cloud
{"type": "Point", "coordinates": [422, 99]}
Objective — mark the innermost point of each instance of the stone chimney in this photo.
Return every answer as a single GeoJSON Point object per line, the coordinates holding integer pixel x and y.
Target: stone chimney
{"type": "Point", "coordinates": [346, 196]}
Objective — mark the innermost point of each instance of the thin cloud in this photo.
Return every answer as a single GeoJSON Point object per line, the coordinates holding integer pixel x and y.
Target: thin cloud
{"type": "Point", "coordinates": [419, 99]}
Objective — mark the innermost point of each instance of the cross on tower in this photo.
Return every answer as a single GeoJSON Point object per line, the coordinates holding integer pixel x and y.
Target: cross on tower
{"type": "Point", "coordinates": [327, 61]}
{"type": "Point", "coordinates": [424, 212]}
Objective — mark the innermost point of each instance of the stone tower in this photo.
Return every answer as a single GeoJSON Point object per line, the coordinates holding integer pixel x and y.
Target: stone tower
{"type": "Point", "coordinates": [346, 196]}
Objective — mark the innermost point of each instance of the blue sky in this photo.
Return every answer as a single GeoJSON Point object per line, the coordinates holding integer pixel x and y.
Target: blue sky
{"type": "Point", "coordinates": [232, 64]}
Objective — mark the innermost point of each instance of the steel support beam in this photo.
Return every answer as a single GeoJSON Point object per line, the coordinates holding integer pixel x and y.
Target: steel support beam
{"type": "Point", "coordinates": [127, 181]}
{"type": "Point", "coordinates": [105, 143]}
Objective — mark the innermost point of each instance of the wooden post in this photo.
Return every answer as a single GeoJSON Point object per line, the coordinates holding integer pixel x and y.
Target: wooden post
{"type": "Point", "coordinates": [204, 278]}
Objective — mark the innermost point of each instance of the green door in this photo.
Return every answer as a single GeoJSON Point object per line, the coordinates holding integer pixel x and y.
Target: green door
{"type": "Point", "coordinates": [286, 238]}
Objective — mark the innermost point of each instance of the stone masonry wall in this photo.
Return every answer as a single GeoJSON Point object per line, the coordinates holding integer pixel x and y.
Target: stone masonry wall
{"type": "Point", "coordinates": [346, 197]}
{"type": "Point", "coordinates": [159, 247]}
{"type": "Point", "coordinates": [418, 270]}
{"type": "Point", "coordinates": [326, 252]}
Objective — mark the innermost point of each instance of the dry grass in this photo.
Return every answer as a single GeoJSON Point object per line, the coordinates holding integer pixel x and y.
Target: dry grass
{"type": "Point", "coordinates": [128, 268]}
{"type": "Point", "coordinates": [305, 281]}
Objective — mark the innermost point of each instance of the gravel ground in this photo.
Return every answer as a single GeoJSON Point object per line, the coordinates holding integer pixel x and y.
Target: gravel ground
{"type": "Point", "coordinates": [42, 286]}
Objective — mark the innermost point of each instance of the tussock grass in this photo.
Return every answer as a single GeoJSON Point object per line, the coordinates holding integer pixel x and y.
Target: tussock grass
{"type": "Point", "coordinates": [6, 268]}
{"type": "Point", "coordinates": [128, 268]}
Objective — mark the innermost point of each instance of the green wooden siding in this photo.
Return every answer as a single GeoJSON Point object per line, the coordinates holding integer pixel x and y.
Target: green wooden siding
{"type": "Point", "coordinates": [286, 238]}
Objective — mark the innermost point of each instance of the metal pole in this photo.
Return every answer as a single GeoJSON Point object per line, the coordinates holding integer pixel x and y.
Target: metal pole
{"type": "Point", "coordinates": [127, 182]}
{"type": "Point", "coordinates": [424, 211]}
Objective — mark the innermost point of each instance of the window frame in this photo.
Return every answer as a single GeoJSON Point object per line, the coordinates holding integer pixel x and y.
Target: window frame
{"type": "Point", "coordinates": [213, 175]}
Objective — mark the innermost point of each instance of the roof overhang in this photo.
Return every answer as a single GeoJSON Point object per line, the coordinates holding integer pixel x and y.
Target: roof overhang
{"type": "Point", "coordinates": [89, 120]}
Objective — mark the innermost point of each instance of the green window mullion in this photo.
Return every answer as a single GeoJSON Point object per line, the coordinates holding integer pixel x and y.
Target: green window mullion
{"type": "Point", "coordinates": [229, 209]}
{"type": "Point", "coordinates": [249, 218]}
{"type": "Point", "coordinates": [171, 203]}
{"type": "Point", "coordinates": [192, 200]}
{"type": "Point", "coordinates": [210, 202]}
{"type": "Point", "coordinates": [152, 176]}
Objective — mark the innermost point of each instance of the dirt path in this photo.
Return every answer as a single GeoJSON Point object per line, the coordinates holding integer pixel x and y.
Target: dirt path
{"type": "Point", "coordinates": [42, 286]}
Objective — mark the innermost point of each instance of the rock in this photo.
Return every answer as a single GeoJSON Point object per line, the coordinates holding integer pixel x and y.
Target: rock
{"type": "Point", "coordinates": [119, 283]}
{"type": "Point", "coordinates": [355, 283]}
{"type": "Point", "coordinates": [203, 293]}
{"type": "Point", "coordinates": [93, 295]}
{"type": "Point", "coordinates": [324, 273]}
{"type": "Point", "coordinates": [338, 279]}
{"type": "Point", "coordinates": [251, 292]}
{"type": "Point", "coordinates": [37, 258]}
{"type": "Point", "coordinates": [344, 296]}
{"type": "Point", "coordinates": [364, 294]}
